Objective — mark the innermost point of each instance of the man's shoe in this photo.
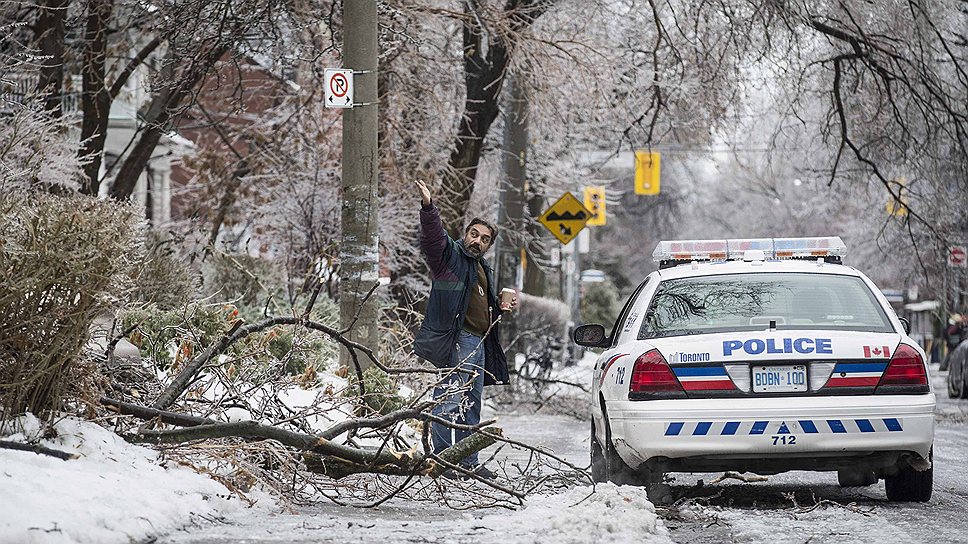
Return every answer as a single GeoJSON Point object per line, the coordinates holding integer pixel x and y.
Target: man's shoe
{"type": "Point", "coordinates": [484, 472]}
{"type": "Point", "coordinates": [452, 474]}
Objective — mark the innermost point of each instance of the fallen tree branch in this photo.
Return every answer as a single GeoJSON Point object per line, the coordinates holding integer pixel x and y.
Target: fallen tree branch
{"type": "Point", "coordinates": [323, 456]}
{"type": "Point", "coordinates": [422, 465]}
{"type": "Point", "coordinates": [184, 420]}
{"type": "Point", "coordinates": [146, 413]}
{"type": "Point", "coordinates": [40, 450]}
{"type": "Point", "coordinates": [238, 332]}
{"type": "Point", "coordinates": [184, 378]}
{"type": "Point", "coordinates": [377, 422]}
{"type": "Point", "coordinates": [253, 429]}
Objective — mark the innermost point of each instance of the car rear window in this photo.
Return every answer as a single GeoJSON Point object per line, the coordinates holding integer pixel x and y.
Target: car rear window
{"type": "Point", "coordinates": [747, 302]}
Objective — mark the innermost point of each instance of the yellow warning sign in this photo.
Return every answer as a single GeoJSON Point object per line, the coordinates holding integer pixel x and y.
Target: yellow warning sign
{"type": "Point", "coordinates": [565, 218]}
{"type": "Point", "coordinates": [595, 202]}
{"type": "Point", "coordinates": [647, 173]}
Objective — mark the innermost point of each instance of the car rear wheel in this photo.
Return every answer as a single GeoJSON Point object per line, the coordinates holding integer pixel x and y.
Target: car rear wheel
{"type": "Point", "coordinates": [910, 485]}
{"type": "Point", "coordinates": [856, 478]}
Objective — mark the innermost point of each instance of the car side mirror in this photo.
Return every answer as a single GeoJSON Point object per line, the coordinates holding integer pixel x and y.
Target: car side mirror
{"type": "Point", "coordinates": [591, 336]}
{"type": "Point", "coordinates": [906, 324]}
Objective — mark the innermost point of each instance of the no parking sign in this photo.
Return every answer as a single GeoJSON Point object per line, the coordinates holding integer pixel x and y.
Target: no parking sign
{"type": "Point", "coordinates": [338, 88]}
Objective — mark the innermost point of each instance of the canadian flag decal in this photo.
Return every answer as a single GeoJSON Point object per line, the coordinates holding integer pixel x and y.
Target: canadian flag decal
{"type": "Point", "coordinates": [877, 352]}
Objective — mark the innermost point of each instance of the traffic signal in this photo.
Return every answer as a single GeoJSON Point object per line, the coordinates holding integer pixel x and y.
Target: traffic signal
{"type": "Point", "coordinates": [647, 172]}
{"type": "Point", "coordinates": [595, 202]}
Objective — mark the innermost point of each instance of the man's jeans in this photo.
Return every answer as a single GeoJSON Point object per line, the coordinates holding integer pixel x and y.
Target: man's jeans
{"type": "Point", "coordinates": [459, 394]}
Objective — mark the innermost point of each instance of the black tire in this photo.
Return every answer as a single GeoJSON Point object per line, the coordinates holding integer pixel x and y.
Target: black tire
{"type": "Point", "coordinates": [964, 382]}
{"type": "Point", "coordinates": [956, 381]}
{"type": "Point", "coordinates": [612, 468]}
{"type": "Point", "coordinates": [910, 485]}
{"type": "Point", "coordinates": [598, 459]}
{"type": "Point", "coordinates": [616, 471]}
{"type": "Point", "coordinates": [964, 379]}
{"type": "Point", "coordinates": [855, 478]}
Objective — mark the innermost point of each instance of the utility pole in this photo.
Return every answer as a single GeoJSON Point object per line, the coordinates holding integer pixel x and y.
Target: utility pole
{"type": "Point", "coordinates": [359, 250]}
{"type": "Point", "coordinates": [510, 216]}
{"type": "Point", "coordinates": [515, 162]}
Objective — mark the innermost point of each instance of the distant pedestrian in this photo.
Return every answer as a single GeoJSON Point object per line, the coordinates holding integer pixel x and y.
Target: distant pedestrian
{"type": "Point", "coordinates": [459, 327]}
{"type": "Point", "coordinates": [954, 334]}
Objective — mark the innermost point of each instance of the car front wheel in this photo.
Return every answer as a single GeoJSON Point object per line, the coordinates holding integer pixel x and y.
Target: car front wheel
{"type": "Point", "coordinates": [607, 466]}
{"type": "Point", "coordinates": [598, 459]}
{"type": "Point", "coordinates": [616, 471]}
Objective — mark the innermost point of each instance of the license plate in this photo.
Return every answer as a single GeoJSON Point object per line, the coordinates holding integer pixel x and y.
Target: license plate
{"type": "Point", "coordinates": [779, 379]}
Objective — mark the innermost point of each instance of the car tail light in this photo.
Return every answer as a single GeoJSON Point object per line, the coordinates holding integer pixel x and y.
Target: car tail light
{"type": "Point", "coordinates": [653, 378]}
{"type": "Point", "coordinates": [904, 374]}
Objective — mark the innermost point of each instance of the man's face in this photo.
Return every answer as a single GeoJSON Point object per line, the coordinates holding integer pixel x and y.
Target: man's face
{"type": "Point", "coordinates": [477, 240]}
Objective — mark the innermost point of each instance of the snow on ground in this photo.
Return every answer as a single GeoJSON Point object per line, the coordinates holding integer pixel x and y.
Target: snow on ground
{"type": "Point", "coordinates": [119, 492]}
{"type": "Point", "coordinates": [115, 491]}
{"type": "Point", "coordinates": [609, 514]}
{"type": "Point", "coordinates": [824, 524]}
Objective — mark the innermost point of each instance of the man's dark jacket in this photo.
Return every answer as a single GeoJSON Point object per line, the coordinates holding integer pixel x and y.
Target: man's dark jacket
{"type": "Point", "coordinates": [454, 272]}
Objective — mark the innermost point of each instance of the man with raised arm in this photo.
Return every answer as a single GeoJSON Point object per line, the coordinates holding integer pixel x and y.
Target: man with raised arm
{"type": "Point", "coordinates": [459, 328]}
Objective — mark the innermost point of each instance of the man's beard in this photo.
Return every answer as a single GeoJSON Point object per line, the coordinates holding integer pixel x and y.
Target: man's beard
{"type": "Point", "coordinates": [474, 250]}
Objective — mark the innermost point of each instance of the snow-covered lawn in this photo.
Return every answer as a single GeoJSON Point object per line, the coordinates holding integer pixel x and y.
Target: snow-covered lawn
{"type": "Point", "coordinates": [114, 492]}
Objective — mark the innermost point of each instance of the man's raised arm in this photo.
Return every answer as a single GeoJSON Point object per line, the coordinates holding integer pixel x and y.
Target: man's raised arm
{"type": "Point", "coordinates": [434, 241]}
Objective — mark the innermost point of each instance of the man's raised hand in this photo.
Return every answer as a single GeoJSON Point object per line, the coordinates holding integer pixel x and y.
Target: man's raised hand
{"type": "Point", "coordinates": [424, 191]}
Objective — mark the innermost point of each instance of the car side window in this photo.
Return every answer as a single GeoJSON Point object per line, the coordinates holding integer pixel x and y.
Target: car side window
{"type": "Point", "coordinates": [624, 314]}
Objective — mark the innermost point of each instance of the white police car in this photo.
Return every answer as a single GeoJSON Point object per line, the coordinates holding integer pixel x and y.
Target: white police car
{"type": "Point", "coordinates": [760, 355]}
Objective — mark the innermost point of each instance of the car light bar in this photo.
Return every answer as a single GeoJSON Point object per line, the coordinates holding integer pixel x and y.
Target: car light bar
{"type": "Point", "coordinates": [772, 248]}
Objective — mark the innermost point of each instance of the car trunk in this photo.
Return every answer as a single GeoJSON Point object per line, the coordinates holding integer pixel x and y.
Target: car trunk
{"type": "Point", "coordinates": [778, 362]}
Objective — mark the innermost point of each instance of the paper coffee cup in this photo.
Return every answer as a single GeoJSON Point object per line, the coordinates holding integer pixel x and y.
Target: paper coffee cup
{"type": "Point", "coordinates": [506, 295]}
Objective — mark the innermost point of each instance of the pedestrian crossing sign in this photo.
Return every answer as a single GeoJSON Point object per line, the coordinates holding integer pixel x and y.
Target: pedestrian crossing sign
{"type": "Point", "coordinates": [565, 218]}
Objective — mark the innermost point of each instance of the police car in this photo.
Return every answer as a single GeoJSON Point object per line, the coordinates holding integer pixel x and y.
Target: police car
{"type": "Point", "coordinates": [760, 355]}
